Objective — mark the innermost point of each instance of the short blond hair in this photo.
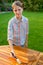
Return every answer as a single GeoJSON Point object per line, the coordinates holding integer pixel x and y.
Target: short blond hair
{"type": "Point", "coordinates": [18, 3]}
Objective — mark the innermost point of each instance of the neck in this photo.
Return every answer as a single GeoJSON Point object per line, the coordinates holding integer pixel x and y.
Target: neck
{"type": "Point", "coordinates": [19, 18]}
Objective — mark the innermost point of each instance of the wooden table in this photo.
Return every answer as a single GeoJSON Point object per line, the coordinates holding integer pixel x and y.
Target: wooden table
{"type": "Point", "coordinates": [26, 56]}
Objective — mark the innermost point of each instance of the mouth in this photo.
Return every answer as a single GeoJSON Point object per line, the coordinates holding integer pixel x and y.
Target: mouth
{"type": "Point", "coordinates": [17, 14]}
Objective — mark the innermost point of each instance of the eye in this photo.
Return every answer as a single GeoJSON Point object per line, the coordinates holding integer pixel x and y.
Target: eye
{"type": "Point", "coordinates": [15, 10]}
{"type": "Point", "coordinates": [19, 9]}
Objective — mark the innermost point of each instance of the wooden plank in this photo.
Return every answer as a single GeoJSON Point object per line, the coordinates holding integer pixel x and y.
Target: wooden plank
{"type": "Point", "coordinates": [26, 56]}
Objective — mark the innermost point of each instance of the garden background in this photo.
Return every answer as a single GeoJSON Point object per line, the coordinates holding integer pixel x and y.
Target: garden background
{"type": "Point", "coordinates": [33, 10]}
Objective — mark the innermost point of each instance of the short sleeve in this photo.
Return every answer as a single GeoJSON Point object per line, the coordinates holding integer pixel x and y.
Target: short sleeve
{"type": "Point", "coordinates": [10, 31]}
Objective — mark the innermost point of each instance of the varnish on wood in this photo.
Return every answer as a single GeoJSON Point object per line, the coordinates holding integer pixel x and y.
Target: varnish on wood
{"type": "Point", "coordinates": [25, 55]}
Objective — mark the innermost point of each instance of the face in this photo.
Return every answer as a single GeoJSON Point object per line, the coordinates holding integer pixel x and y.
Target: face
{"type": "Point", "coordinates": [17, 11]}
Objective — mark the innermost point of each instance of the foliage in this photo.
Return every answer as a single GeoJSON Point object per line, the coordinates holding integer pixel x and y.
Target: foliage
{"type": "Point", "coordinates": [30, 5]}
{"type": "Point", "coordinates": [33, 5]}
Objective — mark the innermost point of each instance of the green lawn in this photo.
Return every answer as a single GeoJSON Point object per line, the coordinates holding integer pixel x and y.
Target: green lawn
{"type": "Point", "coordinates": [35, 29]}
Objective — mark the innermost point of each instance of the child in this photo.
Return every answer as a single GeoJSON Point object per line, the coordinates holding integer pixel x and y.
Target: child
{"type": "Point", "coordinates": [18, 27]}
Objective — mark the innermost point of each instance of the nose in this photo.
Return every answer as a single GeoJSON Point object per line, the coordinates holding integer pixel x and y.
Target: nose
{"type": "Point", "coordinates": [17, 11]}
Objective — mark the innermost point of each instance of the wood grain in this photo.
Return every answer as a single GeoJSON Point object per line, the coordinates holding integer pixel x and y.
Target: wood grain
{"type": "Point", "coordinates": [26, 56]}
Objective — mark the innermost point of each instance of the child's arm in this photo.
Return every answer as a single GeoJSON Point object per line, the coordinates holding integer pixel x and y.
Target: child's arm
{"type": "Point", "coordinates": [12, 51]}
{"type": "Point", "coordinates": [27, 31]}
{"type": "Point", "coordinates": [11, 46]}
{"type": "Point", "coordinates": [26, 42]}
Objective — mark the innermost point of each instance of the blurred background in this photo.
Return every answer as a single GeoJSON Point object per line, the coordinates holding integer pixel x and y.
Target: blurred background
{"type": "Point", "coordinates": [33, 10]}
{"type": "Point", "coordinates": [30, 5]}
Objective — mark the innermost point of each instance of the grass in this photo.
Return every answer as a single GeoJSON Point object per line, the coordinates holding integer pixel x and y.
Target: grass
{"type": "Point", "coordinates": [35, 29]}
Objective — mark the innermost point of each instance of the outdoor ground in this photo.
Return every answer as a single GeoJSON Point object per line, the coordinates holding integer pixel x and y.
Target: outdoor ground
{"type": "Point", "coordinates": [35, 29]}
